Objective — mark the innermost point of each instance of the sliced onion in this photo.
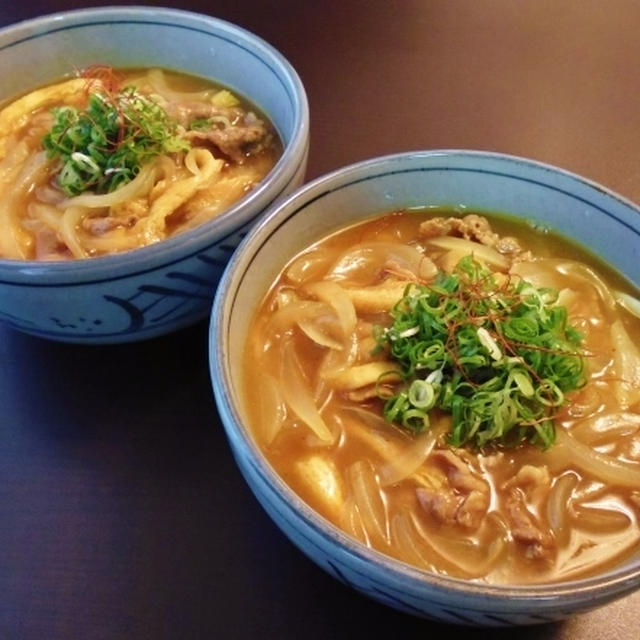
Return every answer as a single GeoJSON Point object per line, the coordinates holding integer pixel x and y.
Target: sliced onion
{"type": "Point", "coordinates": [373, 433]}
{"type": "Point", "coordinates": [578, 558]}
{"type": "Point", "coordinates": [335, 296]}
{"type": "Point", "coordinates": [626, 366]}
{"type": "Point", "coordinates": [336, 360]}
{"type": "Point", "coordinates": [627, 302]}
{"type": "Point", "coordinates": [407, 542]}
{"type": "Point", "coordinates": [469, 559]}
{"type": "Point", "coordinates": [368, 499]}
{"type": "Point", "coordinates": [569, 451]}
{"type": "Point", "coordinates": [320, 337]}
{"type": "Point", "coordinates": [409, 461]}
{"type": "Point", "coordinates": [298, 397]}
{"type": "Point", "coordinates": [272, 408]}
{"type": "Point", "coordinates": [587, 274]}
{"type": "Point", "coordinates": [309, 265]}
{"type": "Point", "coordinates": [558, 502]}
{"type": "Point", "coordinates": [351, 522]}
{"type": "Point", "coordinates": [297, 311]}
{"type": "Point", "coordinates": [368, 418]}
{"type": "Point", "coordinates": [600, 520]}
{"type": "Point", "coordinates": [365, 262]}
{"type": "Point", "coordinates": [157, 79]}
{"type": "Point", "coordinates": [603, 427]}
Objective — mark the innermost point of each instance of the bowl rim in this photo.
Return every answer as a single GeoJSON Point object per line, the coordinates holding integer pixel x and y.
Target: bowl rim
{"type": "Point", "coordinates": [188, 243]}
{"type": "Point", "coordinates": [616, 580]}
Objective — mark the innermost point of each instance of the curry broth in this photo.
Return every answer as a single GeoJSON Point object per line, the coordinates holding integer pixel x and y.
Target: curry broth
{"type": "Point", "coordinates": [596, 517]}
{"type": "Point", "coordinates": [226, 149]}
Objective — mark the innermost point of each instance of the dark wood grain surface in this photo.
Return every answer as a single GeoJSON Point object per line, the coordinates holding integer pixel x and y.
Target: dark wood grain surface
{"type": "Point", "coordinates": [122, 514]}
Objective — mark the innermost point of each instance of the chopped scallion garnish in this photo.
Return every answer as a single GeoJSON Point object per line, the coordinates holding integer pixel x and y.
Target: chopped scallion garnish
{"type": "Point", "coordinates": [103, 146]}
{"type": "Point", "coordinates": [495, 353]}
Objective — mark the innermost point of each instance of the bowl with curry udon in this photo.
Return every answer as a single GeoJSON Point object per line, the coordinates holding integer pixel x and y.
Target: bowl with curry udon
{"type": "Point", "coordinates": [428, 369]}
{"type": "Point", "coordinates": [137, 147]}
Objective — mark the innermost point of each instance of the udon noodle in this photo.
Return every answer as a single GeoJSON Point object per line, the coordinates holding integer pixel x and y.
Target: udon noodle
{"type": "Point", "coordinates": [317, 382]}
{"type": "Point", "coordinates": [63, 193]}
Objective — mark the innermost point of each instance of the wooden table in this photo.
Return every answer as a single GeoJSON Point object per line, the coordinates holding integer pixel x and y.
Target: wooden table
{"type": "Point", "coordinates": [122, 514]}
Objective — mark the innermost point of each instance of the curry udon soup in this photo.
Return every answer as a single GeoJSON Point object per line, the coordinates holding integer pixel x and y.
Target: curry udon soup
{"type": "Point", "coordinates": [114, 160]}
{"type": "Point", "coordinates": [463, 397]}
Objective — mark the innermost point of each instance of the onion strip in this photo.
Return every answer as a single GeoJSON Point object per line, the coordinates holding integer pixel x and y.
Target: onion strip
{"type": "Point", "coordinates": [335, 296]}
{"type": "Point", "coordinates": [368, 498]}
{"type": "Point", "coordinates": [298, 396]}
{"type": "Point", "coordinates": [314, 333]}
{"type": "Point", "coordinates": [627, 302]}
{"type": "Point", "coordinates": [272, 408]}
{"type": "Point", "coordinates": [557, 503]}
{"type": "Point", "coordinates": [568, 451]}
{"type": "Point", "coordinates": [453, 551]}
{"type": "Point", "coordinates": [409, 461]}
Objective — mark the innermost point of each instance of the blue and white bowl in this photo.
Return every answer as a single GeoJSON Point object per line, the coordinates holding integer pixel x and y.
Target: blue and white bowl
{"type": "Point", "coordinates": [160, 288]}
{"type": "Point", "coordinates": [564, 202]}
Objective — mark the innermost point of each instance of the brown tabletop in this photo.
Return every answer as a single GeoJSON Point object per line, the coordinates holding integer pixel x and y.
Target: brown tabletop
{"type": "Point", "coordinates": [122, 514]}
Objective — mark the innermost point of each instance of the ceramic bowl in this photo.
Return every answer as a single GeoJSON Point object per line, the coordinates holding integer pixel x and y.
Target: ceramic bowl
{"type": "Point", "coordinates": [565, 202]}
{"type": "Point", "coordinates": [160, 288]}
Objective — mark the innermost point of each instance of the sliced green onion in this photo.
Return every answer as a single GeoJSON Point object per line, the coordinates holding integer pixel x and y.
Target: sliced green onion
{"type": "Point", "coordinates": [422, 395]}
{"type": "Point", "coordinates": [500, 358]}
{"type": "Point", "coordinates": [103, 146]}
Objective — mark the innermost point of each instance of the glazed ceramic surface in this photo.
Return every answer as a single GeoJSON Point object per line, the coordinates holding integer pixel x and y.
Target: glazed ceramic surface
{"type": "Point", "coordinates": [547, 196]}
{"type": "Point", "coordinates": [163, 287]}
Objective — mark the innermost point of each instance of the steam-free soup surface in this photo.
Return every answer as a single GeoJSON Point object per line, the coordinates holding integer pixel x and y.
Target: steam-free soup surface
{"type": "Point", "coordinates": [516, 509]}
{"type": "Point", "coordinates": [113, 160]}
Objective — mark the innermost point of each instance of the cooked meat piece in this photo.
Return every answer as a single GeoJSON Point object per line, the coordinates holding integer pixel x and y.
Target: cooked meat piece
{"type": "Point", "coordinates": [451, 508]}
{"type": "Point", "coordinates": [471, 227]}
{"type": "Point", "coordinates": [459, 474]}
{"type": "Point", "coordinates": [473, 509]}
{"type": "Point", "coordinates": [436, 227]}
{"type": "Point", "coordinates": [121, 215]}
{"type": "Point", "coordinates": [440, 504]}
{"type": "Point", "coordinates": [234, 132]}
{"type": "Point", "coordinates": [529, 475]}
{"type": "Point", "coordinates": [524, 529]}
{"type": "Point", "coordinates": [534, 483]}
{"type": "Point", "coordinates": [507, 245]}
{"type": "Point", "coordinates": [464, 502]}
{"type": "Point", "coordinates": [234, 142]}
{"type": "Point", "coordinates": [184, 113]}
